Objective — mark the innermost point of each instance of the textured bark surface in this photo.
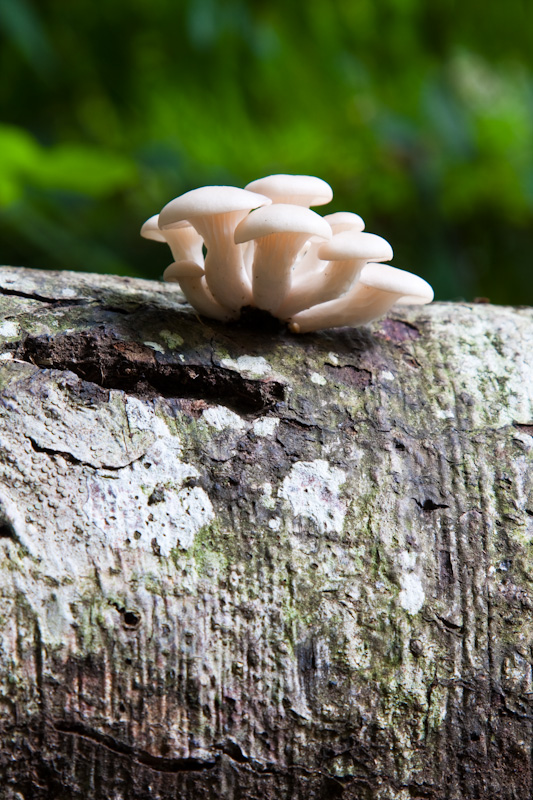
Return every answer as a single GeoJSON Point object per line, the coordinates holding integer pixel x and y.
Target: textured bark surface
{"type": "Point", "coordinates": [240, 564]}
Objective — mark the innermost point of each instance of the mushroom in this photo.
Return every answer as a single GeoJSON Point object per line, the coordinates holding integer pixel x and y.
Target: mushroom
{"type": "Point", "coordinates": [185, 243]}
{"type": "Point", "coordinates": [339, 221]}
{"type": "Point", "coordinates": [345, 221]}
{"type": "Point", "coordinates": [297, 190]}
{"type": "Point", "coordinates": [190, 277]}
{"type": "Point", "coordinates": [150, 229]}
{"type": "Point", "coordinates": [279, 231]}
{"type": "Point", "coordinates": [214, 211]}
{"type": "Point", "coordinates": [347, 253]}
{"type": "Point", "coordinates": [379, 287]}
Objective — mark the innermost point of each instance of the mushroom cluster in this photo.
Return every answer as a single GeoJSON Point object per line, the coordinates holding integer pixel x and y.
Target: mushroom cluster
{"type": "Point", "coordinates": [265, 248]}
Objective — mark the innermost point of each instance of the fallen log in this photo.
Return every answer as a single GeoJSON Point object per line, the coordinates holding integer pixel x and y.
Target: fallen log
{"type": "Point", "coordinates": [238, 563]}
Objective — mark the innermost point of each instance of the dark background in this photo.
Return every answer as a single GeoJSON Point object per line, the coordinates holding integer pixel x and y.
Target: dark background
{"type": "Point", "coordinates": [419, 113]}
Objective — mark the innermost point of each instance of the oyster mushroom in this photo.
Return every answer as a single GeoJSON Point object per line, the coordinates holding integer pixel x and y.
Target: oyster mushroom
{"type": "Point", "coordinates": [279, 232]}
{"type": "Point", "coordinates": [379, 287]}
{"type": "Point", "coordinates": [214, 212]}
{"type": "Point", "coordinates": [191, 279]}
{"type": "Point", "coordinates": [345, 221]}
{"type": "Point", "coordinates": [339, 221]}
{"type": "Point", "coordinates": [184, 242]}
{"type": "Point", "coordinates": [343, 258]}
{"type": "Point", "coordinates": [297, 190]}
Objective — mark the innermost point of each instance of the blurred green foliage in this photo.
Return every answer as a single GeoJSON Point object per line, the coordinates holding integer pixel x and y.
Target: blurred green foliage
{"type": "Point", "coordinates": [419, 114]}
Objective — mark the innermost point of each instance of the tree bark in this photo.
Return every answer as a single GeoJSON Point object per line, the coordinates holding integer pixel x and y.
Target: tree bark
{"type": "Point", "coordinates": [237, 563]}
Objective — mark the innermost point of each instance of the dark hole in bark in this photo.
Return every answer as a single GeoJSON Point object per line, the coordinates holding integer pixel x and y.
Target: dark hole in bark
{"type": "Point", "coordinates": [430, 505]}
{"type": "Point", "coordinates": [131, 619]}
{"type": "Point", "coordinates": [100, 358]}
{"type": "Point", "coordinates": [6, 531]}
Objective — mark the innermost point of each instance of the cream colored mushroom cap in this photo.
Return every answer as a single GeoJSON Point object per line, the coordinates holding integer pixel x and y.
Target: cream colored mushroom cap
{"type": "Point", "coordinates": [303, 190]}
{"type": "Point", "coordinates": [356, 244]}
{"type": "Point", "coordinates": [150, 229]}
{"type": "Point", "coordinates": [390, 279]}
{"type": "Point", "coordinates": [281, 218]}
{"type": "Point", "coordinates": [208, 201]}
{"type": "Point", "coordinates": [345, 221]}
{"type": "Point", "coordinates": [182, 269]}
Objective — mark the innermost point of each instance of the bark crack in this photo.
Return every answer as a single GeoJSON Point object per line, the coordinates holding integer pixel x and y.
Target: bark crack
{"type": "Point", "coordinates": [156, 763]}
{"type": "Point", "coordinates": [100, 358]}
{"type": "Point", "coordinates": [72, 459]}
{"type": "Point", "coordinates": [53, 301]}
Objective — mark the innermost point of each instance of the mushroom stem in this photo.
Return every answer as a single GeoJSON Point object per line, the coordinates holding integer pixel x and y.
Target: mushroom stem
{"type": "Point", "coordinates": [379, 287]}
{"type": "Point", "coordinates": [193, 285]}
{"type": "Point", "coordinates": [279, 232]}
{"type": "Point", "coordinates": [335, 279]}
{"type": "Point", "coordinates": [224, 263]}
{"type": "Point", "coordinates": [185, 243]}
{"type": "Point", "coordinates": [339, 221]}
{"type": "Point", "coordinates": [271, 269]}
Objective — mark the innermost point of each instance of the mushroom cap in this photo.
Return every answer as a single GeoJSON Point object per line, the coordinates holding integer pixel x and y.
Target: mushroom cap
{"type": "Point", "coordinates": [208, 200]}
{"type": "Point", "coordinates": [355, 244]}
{"type": "Point", "coordinates": [182, 269]}
{"type": "Point", "coordinates": [345, 221]}
{"type": "Point", "coordinates": [150, 229]}
{"type": "Point", "coordinates": [398, 281]}
{"type": "Point", "coordinates": [281, 218]}
{"type": "Point", "coordinates": [303, 190]}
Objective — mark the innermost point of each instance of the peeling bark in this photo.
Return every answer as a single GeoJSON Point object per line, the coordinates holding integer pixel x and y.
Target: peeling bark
{"type": "Point", "coordinates": [237, 563]}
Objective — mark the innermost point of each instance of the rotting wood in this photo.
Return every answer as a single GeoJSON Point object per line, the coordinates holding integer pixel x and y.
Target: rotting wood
{"type": "Point", "coordinates": [238, 563]}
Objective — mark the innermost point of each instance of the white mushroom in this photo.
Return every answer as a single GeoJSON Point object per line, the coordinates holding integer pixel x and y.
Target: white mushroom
{"type": "Point", "coordinates": [345, 221]}
{"type": "Point", "coordinates": [215, 211]}
{"type": "Point", "coordinates": [192, 282]}
{"type": "Point", "coordinates": [150, 229]}
{"type": "Point", "coordinates": [379, 287]}
{"type": "Point", "coordinates": [279, 231]}
{"type": "Point", "coordinates": [185, 243]}
{"type": "Point", "coordinates": [339, 221]}
{"type": "Point", "coordinates": [342, 258]}
{"type": "Point", "coordinates": [297, 190]}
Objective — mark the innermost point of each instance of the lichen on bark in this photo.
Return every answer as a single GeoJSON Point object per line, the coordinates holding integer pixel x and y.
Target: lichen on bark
{"type": "Point", "coordinates": [236, 562]}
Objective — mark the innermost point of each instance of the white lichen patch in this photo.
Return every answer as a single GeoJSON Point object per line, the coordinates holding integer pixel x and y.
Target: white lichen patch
{"type": "Point", "coordinates": [149, 504]}
{"type": "Point", "coordinates": [265, 426]}
{"type": "Point", "coordinates": [111, 434]}
{"type": "Point", "coordinates": [220, 418]}
{"type": "Point", "coordinates": [313, 489]}
{"type": "Point", "coordinates": [266, 498]}
{"type": "Point", "coordinates": [480, 373]}
{"type": "Point", "coordinates": [318, 379]}
{"type": "Point", "coordinates": [155, 346]}
{"type": "Point", "coordinates": [253, 366]}
{"type": "Point", "coordinates": [412, 594]}
{"type": "Point", "coordinates": [387, 376]}
{"type": "Point", "coordinates": [9, 329]}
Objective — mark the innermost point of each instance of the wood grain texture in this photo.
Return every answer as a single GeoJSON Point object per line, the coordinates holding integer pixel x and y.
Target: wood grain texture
{"type": "Point", "coordinates": [236, 563]}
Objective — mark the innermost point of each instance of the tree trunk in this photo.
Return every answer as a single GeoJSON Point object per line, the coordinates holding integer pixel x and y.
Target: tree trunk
{"type": "Point", "coordinates": [238, 563]}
